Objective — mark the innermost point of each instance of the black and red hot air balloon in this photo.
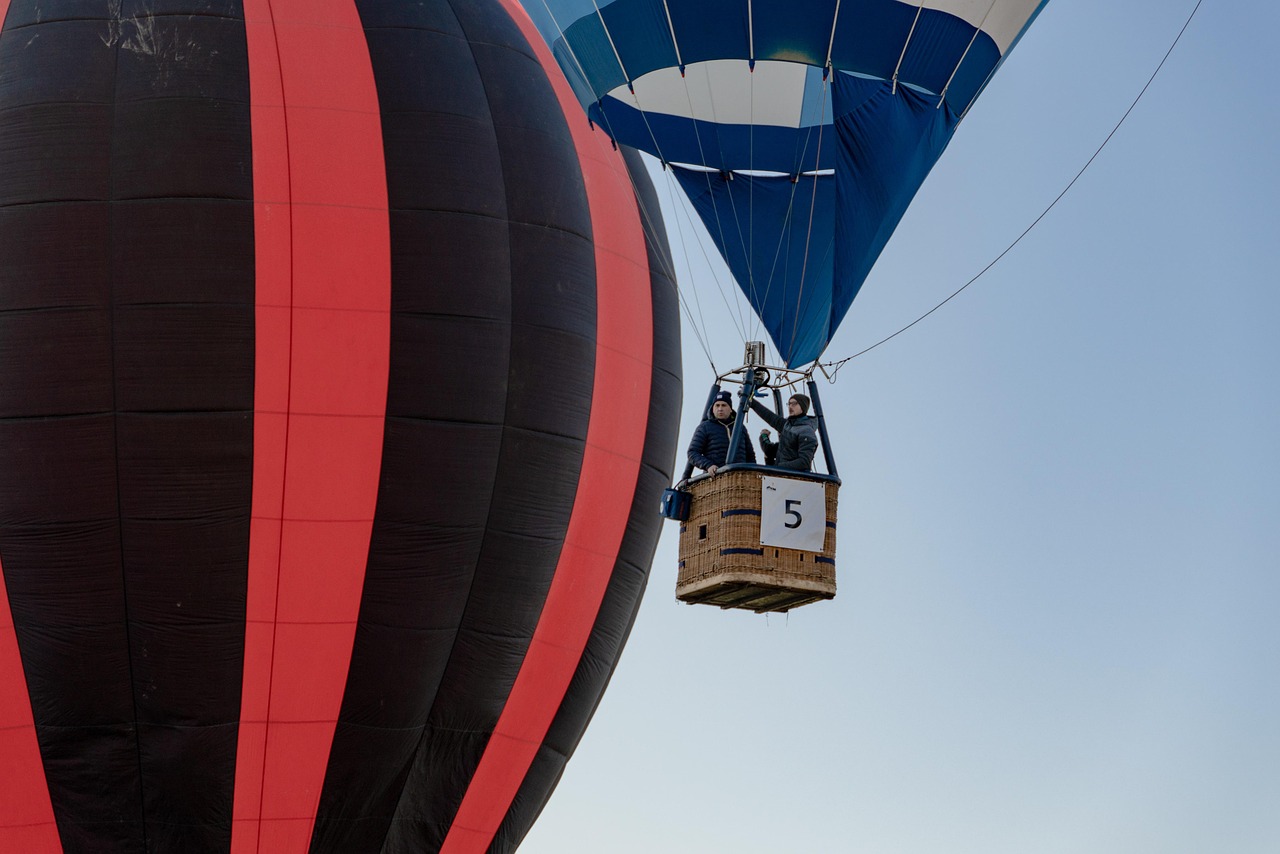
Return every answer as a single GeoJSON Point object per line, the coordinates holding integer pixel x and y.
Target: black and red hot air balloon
{"type": "Point", "coordinates": [338, 383]}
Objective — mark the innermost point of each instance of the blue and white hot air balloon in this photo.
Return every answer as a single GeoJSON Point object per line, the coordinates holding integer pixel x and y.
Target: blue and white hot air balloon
{"type": "Point", "coordinates": [800, 129]}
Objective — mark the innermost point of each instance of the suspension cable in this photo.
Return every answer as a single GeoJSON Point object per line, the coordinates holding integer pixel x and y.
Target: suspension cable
{"type": "Point", "coordinates": [835, 366]}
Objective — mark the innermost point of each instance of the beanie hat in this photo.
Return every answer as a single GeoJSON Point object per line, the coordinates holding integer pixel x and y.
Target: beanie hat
{"type": "Point", "coordinates": [723, 396]}
{"type": "Point", "coordinates": [803, 400]}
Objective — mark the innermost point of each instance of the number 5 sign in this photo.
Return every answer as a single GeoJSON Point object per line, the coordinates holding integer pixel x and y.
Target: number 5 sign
{"type": "Point", "coordinates": [793, 514]}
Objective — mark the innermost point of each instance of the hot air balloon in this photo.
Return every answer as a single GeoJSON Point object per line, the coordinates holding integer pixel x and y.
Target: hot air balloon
{"type": "Point", "coordinates": [337, 385]}
{"type": "Point", "coordinates": [800, 131]}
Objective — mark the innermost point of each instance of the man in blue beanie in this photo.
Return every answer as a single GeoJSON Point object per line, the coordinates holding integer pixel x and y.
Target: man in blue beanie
{"type": "Point", "coordinates": [710, 444]}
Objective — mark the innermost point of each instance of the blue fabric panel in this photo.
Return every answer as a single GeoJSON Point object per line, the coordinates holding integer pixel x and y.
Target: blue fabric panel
{"type": "Point", "coordinates": [881, 143]}
{"type": "Point", "coordinates": [793, 30]}
{"type": "Point", "coordinates": [886, 142]}
{"type": "Point", "coordinates": [762, 228]}
{"type": "Point", "coordinates": [719, 146]}
{"type": "Point", "coordinates": [973, 73]}
{"type": "Point", "coordinates": [589, 45]}
{"type": "Point", "coordinates": [870, 35]}
{"type": "Point", "coordinates": [641, 35]}
{"type": "Point", "coordinates": [711, 29]}
{"type": "Point", "coordinates": [935, 50]}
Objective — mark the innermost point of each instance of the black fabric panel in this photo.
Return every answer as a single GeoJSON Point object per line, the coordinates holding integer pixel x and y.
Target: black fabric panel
{"type": "Point", "coordinates": [54, 152]}
{"type": "Point", "coordinates": [478, 358]}
{"type": "Point", "coordinates": [126, 430]}
{"type": "Point", "coordinates": [98, 811]}
{"type": "Point", "coordinates": [58, 357]}
{"type": "Point", "coordinates": [36, 74]}
{"type": "Point", "coordinates": [492, 363]}
{"type": "Point", "coordinates": [25, 12]}
{"type": "Point", "coordinates": [36, 268]}
{"type": "Point", "coordinates": [152, 261]}
{"type": "Point", "coordinates": [465, 174]}
{"type": "Point", "coordinates": [446, 246]}
{"type": "Point", "coordinates": [204, 154]}
{"type": "Point", "coordinates": [635, 555]}
{"type": "Point", "coordinates": [207, 364]}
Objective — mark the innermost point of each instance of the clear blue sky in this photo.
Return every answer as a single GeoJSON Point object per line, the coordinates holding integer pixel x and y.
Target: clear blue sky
{"type": "Point", "coordinates": [1059, 540]}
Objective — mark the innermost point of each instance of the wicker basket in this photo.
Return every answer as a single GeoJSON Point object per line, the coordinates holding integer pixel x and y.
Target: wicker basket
{"type": "Point", "coordinates": [722, 561]}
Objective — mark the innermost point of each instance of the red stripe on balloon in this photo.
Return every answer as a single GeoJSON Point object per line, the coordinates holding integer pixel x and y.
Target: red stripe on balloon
{"type": "Point", "coordinates": [610, 469]}
{"type": "Point", "coordinates": [26, 813]}
{"type": "Point", "coordinates": [322, 358]}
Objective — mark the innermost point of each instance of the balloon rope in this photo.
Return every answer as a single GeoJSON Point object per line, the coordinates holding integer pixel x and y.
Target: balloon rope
{"type": "Point", "coordinates": [751, 185]}
{"type": "Point", "coordinates": [942, 96]}
{"type": "Point", "coordinates": [672, 27]}
{"type": "Point", "coordinates": [649, 223]}
{"type": "Point", "coordinates": [836, 365]}
{"type": "Point", "coordinates": [835, 16]}
{"type": "Point", "coordinates": [698, 324]}
{"type": "Point", "coordinates": [682, 204]}
{"type": "Point", "coordinates": [813, 203]}
{"type": "Point", "coordinates": [741, 319]}
{"type": "Point", "coordinates": [612, 46]}
{"type": "Point", "coordinates": [733, 209]}
{"type": "Point", "coordinates": [678, 209]}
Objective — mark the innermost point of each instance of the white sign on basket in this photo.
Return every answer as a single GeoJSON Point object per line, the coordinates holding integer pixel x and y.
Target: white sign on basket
{"type": "Point", "coordinates": [793, 514]}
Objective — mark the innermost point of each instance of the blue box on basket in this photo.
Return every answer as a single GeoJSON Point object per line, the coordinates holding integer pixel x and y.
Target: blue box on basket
{"type": "Point", "coordinates": [675, 504]}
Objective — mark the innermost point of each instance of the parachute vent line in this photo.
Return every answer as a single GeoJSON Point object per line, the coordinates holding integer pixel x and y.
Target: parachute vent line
{"type": "Point", "coordinates": [835, 366]}
{"type": "Point", "coordinates": [751, 41]}
{"type": "Point", "coordinates": [903, 55]}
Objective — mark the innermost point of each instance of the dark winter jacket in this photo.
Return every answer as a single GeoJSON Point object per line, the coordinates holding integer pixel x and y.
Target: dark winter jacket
{"type": "Point", "coordinates": [710, 443]}
{"type": "Point", "coordinates": [797, 438]}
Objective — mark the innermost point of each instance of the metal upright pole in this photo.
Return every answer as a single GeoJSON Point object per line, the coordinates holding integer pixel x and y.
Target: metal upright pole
{"type": "Point", "coordinates": [739, 425]}
{"type": "Point", "coordinates": [822, 429]}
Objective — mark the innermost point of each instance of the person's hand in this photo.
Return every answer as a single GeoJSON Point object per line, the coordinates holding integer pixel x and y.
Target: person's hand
{"type": "Point", "coordinates": [713, 469]}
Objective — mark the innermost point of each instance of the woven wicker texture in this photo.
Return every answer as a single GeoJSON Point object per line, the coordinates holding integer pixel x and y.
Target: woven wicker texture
{"type": "Point", "coordinates": [723, 563]}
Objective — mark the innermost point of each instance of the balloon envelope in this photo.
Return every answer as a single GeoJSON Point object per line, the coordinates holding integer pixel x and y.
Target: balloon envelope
{"type": "Point", "coordinates": [800, 130]}
{"type": "Point", "coordinates": [339, 387]}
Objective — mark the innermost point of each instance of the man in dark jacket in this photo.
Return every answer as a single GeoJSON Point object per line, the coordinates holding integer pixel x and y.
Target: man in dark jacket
{"type": "Point", "coordinates": [797, 434]}
{"type": "Point", "coordinates": [710, 443]}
